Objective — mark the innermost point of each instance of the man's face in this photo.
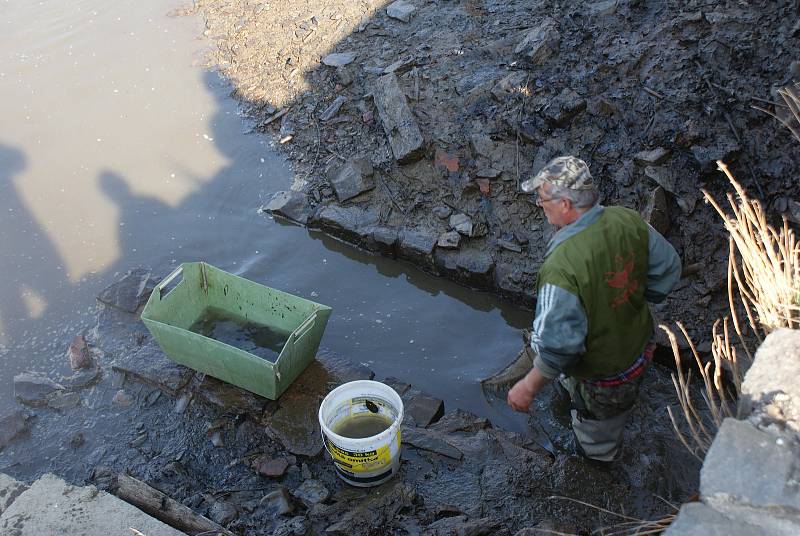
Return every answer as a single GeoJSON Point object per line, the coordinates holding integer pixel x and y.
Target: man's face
{"type": "Point", "coordinates": [555, 209]}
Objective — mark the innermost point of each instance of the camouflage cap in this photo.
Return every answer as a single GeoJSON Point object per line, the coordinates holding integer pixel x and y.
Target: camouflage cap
{"type": "Point", "coordinates": [565, 171]}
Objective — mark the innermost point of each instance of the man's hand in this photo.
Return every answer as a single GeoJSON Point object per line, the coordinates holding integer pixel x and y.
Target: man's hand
{"type": "Point", "coordinates": [524, 391]}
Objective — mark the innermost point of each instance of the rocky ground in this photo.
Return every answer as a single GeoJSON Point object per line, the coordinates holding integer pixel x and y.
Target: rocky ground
{"type": "Point", "coordinates": [257, 466]}
{"type": "Point", "coordinates": [410, 126]}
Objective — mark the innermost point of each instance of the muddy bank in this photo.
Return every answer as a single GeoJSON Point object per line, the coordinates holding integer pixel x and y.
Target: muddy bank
{"type": "Point", "coordinates": [257, 466]}
{"type": "Point", "coordinates": [410, 126]}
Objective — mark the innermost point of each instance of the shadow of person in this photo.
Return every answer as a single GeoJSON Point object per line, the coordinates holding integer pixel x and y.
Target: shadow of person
{"type": "Point", "coordinates": [30, 264]}
{"type": "Point", "coordinates": [141, 218]}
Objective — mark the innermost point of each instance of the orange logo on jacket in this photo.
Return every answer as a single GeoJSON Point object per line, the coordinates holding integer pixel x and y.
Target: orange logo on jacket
{"type": "Point", "coordinates": [622, 279]}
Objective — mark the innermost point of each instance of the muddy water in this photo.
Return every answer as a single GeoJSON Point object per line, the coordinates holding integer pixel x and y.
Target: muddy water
{"type": "Point", "coordinates": [118, 151]}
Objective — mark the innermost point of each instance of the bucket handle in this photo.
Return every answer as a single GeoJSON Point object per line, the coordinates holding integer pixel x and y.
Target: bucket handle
{"type": "Point", "coordinates": [167, 280]}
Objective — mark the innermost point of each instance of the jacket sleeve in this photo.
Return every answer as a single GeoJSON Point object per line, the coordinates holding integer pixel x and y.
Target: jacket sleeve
{"type": "Point", "coordinates": [559, 330]}
{"type": "Point", "coordinates": [663, 267]}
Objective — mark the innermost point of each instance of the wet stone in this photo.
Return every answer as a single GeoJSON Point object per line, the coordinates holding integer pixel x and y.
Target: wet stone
{"type": "Point", "coordinates": [655, 213]}
{"type": "Point", "coordinates": [462, 224]}
{"type": "Point", "coordinates": [399, 386]}
{"type": "Point", "coordinates": [460, 421]}
{"type": "Point", "coordinates": [278, 502]}
{"type": "Point", "coordinates": [430, 441]}
{"type": "Point", "coordinates": [541, 42]}
{"type": "Point", "coordinates": [79, 354]}
{"type": "Point", "coordinates": [449, 240]}
{"type": "Point", "coordinates": [82, 379]}
{"type": "Point", "coordinates": [129, 293]}
{"type": "Point", "coordinates": [346, 223]}
{"type": "Point", "coordinates": [63, 400]}
{"type": "Point", "coordinates": [398, 122]}
{"type": "Point", "coordinates": [34, 389]}
{"type": "Point", "coordinates": [425, 409]}
{"type": "Point", "coordinates": [13, 425]}
{"type": "Point", "coordinates": [271, 467]}
{"type": "Point", "coordinates": [149, 365]}
{"type": "Point", "coordinates": [375, 511]}
{"type": "Point", "coordinates": [228, 397]}
{"type": "Point", "coordinates": [564, 107]}
{"type": "Point", "coordinates": [400, 10]}
{"type": "Point", "coordinates": [339, 59]}
{"type": "Point", "coordinates": [352, 179]}
{"type": "Point", "coordinates": [312, 492]}
{"type": "Point", "coordinates": [462, 525]}
{"type": "Point", "coordinates": [653, 157]}
{"type": "Point", "coordinates": [290, 205]}
{"type": "Point", "coordinates": [382, 239]}
{"type": "Point", "coordinates": [417, 245]}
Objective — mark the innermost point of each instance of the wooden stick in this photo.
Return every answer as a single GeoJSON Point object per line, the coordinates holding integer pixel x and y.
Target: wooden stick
{"type": "Point", "coordinates": [163, 508]}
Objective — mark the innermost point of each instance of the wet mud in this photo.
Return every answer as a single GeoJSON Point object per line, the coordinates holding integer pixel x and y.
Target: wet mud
{"type": "Point", "coordinates": [258, 466]}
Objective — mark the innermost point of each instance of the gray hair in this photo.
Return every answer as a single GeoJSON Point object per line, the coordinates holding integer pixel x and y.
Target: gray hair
{"type": "Point", "coordinates": [579, 198]}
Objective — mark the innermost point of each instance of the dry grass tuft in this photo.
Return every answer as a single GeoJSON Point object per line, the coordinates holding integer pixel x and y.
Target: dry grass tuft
{"type": "Point", "coordinates": [764, 278]}
{"type": "Point", "coordinates": [789, 118]}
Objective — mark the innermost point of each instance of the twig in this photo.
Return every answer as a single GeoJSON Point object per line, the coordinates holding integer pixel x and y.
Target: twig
{"type": "Point", "coordinates": [653, 92]}
{"type": "Point", "coordinates": [274, 117]}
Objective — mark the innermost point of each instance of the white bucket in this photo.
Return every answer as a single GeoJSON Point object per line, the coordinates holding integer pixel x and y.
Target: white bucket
{"type": "Point", "coordinates": [371, 460]}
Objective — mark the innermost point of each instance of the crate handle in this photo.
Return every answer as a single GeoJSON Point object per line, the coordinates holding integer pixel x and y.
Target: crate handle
{"type": "Point", "coordinates": [167, 280]}
{"type": "Point", "coordinates": [305, 327]}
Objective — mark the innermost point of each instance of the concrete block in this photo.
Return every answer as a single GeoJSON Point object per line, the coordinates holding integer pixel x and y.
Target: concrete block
{"type": "Point", "coordinates": [746, 467]}
{"type": "Point", "coordinates": [771, 389]}
{"type": "Point", "coordinates": [10, 489]}
{"type": "Point", "coordinates": [51, 506]}
{"type": "Point", "coordinates": [698, 519]}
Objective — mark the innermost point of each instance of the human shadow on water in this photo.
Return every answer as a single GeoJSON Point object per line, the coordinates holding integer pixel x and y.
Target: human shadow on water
{"type": "Point", "coordinates": [29, 261]}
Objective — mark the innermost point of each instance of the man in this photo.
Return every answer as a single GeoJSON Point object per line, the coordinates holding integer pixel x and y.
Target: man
{"type": "Point", "coordinates": [593, 325]}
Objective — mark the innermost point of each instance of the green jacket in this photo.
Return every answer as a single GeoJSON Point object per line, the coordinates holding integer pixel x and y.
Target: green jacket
{"type": "Point", "coordinates": [592, 318]}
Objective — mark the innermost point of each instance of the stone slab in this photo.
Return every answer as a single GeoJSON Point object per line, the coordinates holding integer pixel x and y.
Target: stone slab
{"type": "Point", "coordinates": [10, 489]}
{"type": "Point", "coordinates": [130, 292]}
{"type": "Point", "coordinates": [352, 178]}
{"type": "Point", "coordinates": [51, 506]}
{"type": "Point", "coordinates": [541, 42]}
{"type": "Point", "coordinates": [771, 389]}
{"type": "Point", "coordinates": [697, 519]}
{"type": "Point", "coordinates": [746, 467]}
{"type": "Point", "coordinates": [290, 205]}
{"type": "Point", "coordinates": [424, 409]}
{"type": "Point", "coordinates": [398, 122]}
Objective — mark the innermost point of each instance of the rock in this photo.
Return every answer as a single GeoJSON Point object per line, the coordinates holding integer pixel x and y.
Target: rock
{"type": "Point", "coordinates": [76, 440]}
{"type": "Point", "coordinates": [148, 365]}
{"type": "Point", "coordinates": [445, 161]}
{"type": "Point", "coordinates": [400, 386]}
{"type": "Point", "coordinates": [482, 145]}
{"type": "Point", "coordinates": [417, 245]}
{"type": "Point", "coordinates": [462, 526]}
{"type": "Point", "coordinates": [398, 122]}
{"type": "Point", "coordinates": [770, 394]}
{"type": "Point", "coordinates": [374, 512]}
{"type": "Point", "coordinates": [449, 240]}
{"type": "Point", "coordinates": [312, 492]}
{"type": "Point", "coordinates": [508, 86]}
{"type": "Point", "coordinates": [34, 389]}
{"type": "Point", "coordinates": [222, 512]}
{"type": "Point", "coordinates": [351, 224]}
{"type": "Point", "coordinates": [460, 421]}
{"type": "Point", "coordinates": [425, 409]}
{"type": "Point", "coordinates": [290, 205]}
{"type": "Point", "coordinates": [653, 157]}
{"type": "Point", "coordinates": [271, 467]}
{"type": "Point", "coordinates": [10, 489]}
{"type": "Point", "coordinates": [603, 8]}
{"type": "Point", "coordinates": [79, 354]}
{"type": "Point", "coordinates": [564, 107]}
{"type": "Point", "coordinates": [511, 373]}
{"type": "Point", "coordinates": [430, 441]}
{"type": "Point", "coordinates": [724, 149]}
{"type": "Point", "coordinates": [487, 173]}
{"type": "Point", "coordinates": [664, 177]}
{"type": "Point", "coordinates": [339, 59]}
{"type": "Point", "coordinates": [382, 239]}
{"type": "Point", "coordinates": [217, 439]}
{"type": "Point", "coordinates": [353, 178]}
{"type": "Point", "coordinates": [400, 10]}
{"type": "Point", "coordinates": [331, 111]}
{"type": "Point", "coordinates": [129, 293]}
{"type": "Point", "coordinates": [461, 223]}
{"type": "Point", "coordinates": [655, 213]}
{"type": "Point", "coordinates": [278, 501]}
{"type": "Point", "coordinates": [697, 519]}
{"type": "Point", "coordinates": [123, 399]}
{"type": "Point", "coordinates": [401, 66]}
{"type": "Point", "coordinates": [63, 400]}
{"type": "Point", "coordinates": [509, 246]}
{"type": "Point", "coordinates": [82, 379]}
{"type": "Point", "coordinates": [541, 42]}
{"type": "Point", "coordinates": [227, 397]}
{"type": "Point", "coordinates": [344, 76]}
{"type": "Point", "coordinates": [764, 475]}
{"type": "Point", "coordinates": [13, 425]}
{"type": "Point", "coordinates": [442, 212]}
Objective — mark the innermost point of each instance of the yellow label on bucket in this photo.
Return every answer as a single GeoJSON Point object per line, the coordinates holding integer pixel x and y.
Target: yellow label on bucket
{"type": "Point", "coordinates": [359, 462]}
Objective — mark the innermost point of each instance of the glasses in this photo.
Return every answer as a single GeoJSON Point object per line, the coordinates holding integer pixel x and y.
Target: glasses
{"type": "Point", "coordinates": [539, 200]}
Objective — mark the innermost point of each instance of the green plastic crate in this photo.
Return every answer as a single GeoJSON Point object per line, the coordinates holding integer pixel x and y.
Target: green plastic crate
{"type": "Point", "coordinates": [170, 313]}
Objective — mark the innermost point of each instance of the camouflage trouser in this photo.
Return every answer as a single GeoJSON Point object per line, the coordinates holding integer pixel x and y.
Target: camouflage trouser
{"type": "Point", "coordinates": [599, 414]}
